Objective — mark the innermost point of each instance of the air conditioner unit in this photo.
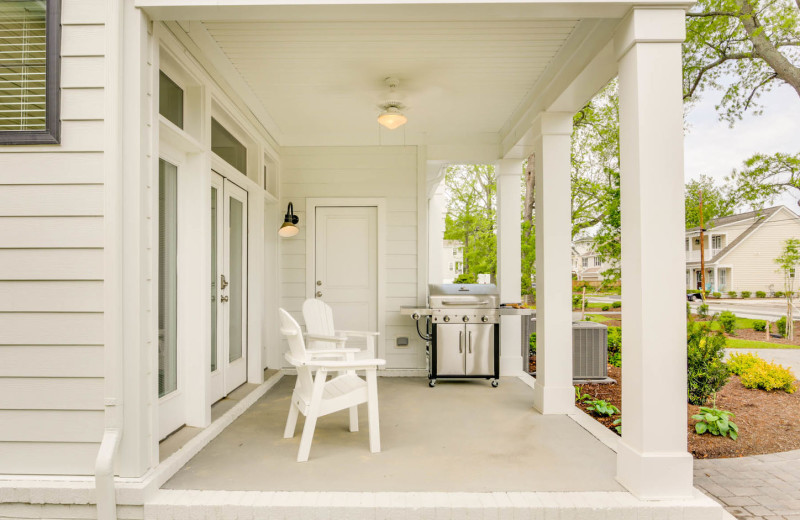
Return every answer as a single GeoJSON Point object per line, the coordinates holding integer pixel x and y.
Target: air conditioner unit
{"type": "Point", "coordinates": [589, 348]}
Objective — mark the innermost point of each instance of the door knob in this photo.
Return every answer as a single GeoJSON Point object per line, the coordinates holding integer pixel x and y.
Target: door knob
{"type": "Point", "coordinates": [319, 294]}
{"type": "Point", "coordinates": [223, 283]}
{"type": "Point", "coordinates": [319, 282]}
{"type": "Point", "coordinates": [223, 299]}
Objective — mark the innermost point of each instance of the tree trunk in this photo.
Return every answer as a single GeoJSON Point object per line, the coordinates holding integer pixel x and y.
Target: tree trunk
{"type": "Point", "coordinates": [765, 49]}
{"type": "Point", "coordinates": [530, 187]}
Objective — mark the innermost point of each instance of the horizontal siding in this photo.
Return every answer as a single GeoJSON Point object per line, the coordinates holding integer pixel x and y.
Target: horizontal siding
{"type": "Point", "coordinates": [381, 172]}
{"type": "Point", "coordinates": [51, 361]}
{"type": "Point", "coordinates": [51, 274]}
{"type": "Point", "coordinates": [753, 261]}
{"type": "Point", "coordinates": [65, 511]}
{"type": "Point", "coordinates": [51, 264]}
{"type": "Point", "coordinates": [51, 426]}
{"type": "Point", "coordinates": [48, 458]}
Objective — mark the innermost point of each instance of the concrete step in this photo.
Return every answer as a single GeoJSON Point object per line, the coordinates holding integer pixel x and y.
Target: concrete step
{"type": "Point", "coordinates": [263, 505]}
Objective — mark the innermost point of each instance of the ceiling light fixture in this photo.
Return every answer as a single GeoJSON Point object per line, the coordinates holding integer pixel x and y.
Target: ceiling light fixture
{"type": "Point", "coordinates": [392, 116]}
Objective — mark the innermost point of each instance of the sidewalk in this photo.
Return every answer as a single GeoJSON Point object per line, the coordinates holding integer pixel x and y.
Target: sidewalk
{"type": "Point", "coordinates": [761, 487]}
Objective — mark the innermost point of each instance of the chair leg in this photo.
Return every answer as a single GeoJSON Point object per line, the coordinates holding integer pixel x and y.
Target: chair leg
{"type": "Point", "coordinates": [311, 416]}
{"type": "Point", "coordinates": [291, 421]}
{"type": "Point", "coordinates": [372, 411]}
{"type": "Point", "coordinates": [354, 419]}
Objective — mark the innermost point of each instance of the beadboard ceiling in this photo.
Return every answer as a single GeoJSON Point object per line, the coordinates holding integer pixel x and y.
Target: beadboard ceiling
{"type": "Point", "coordinates": [321, 82]}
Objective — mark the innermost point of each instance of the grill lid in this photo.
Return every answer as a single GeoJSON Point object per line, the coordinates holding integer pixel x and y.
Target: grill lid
{"type": "Point", "coordinates": [480, 296]}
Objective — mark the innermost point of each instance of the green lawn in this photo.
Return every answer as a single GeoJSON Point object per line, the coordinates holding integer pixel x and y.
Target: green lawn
{"type": "Point", "coordinates": [746, 343]}
{"type": "Point", "coordinates": [741, 323]}
{"type": "Point", "coordinates": [598, 318]}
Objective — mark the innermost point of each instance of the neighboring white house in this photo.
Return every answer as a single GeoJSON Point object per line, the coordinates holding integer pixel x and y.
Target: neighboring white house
{"type": "Point", "coordinates": [452, 260]}
{"type": "Point", "coordinates": [587, 264]}
{"type": "Point", "coordinates": [150, 150]}
{"type": "Point", "coordinates": [740, 251]}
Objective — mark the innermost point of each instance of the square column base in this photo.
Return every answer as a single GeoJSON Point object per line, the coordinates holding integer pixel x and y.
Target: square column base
{"type": "Point", "coordinates": [553, 400]}
{"type": "Point", "coordinates": [511, 363]}
{"type": "Point", "coordinates": [655, 476]}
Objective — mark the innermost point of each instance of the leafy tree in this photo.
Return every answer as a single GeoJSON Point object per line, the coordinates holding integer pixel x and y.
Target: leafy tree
{"type": "Point", "coordinates": [788, 262]}
{"type": "Point", "coordinates": [718, 201]}
{"type": "Point", "coordinates": [745, 48]}
{"type": "Point", "coordinates": [528, 245]}
{"type": "Point", "coordinates": [471, 218]}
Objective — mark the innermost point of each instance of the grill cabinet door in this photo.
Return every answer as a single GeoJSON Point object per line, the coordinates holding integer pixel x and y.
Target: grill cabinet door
{"type": "Point", "coordinates": [450, 349]}
{"type": "Point", "coordinates": [480, 349]}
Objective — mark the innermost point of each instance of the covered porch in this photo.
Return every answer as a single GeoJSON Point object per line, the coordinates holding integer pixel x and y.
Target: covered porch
{"type": "Point", "coordinates": [487, 83]}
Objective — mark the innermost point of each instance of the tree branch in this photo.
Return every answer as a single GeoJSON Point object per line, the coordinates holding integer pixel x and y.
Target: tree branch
{"type": "Point", "coordinates": [711, 14]}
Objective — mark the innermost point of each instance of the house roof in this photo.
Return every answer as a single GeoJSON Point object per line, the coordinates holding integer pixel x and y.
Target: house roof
{"type": "Point", "coordinates": [756, 216]}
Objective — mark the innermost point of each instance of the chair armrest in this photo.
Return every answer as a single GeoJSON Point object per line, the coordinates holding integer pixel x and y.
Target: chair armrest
{"type": "Point", "coordinates": [359, 333]}
{"type": "Point", "coordinates": [358, 364]}
{"type": "Point", "coordinates": [330, 339]}
{"type": "Point", "coordinates": [332, 352]}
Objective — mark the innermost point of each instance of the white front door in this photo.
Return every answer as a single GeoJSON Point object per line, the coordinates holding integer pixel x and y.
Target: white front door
{"type": "Point", "coordinates": [228, 286]}
{"type": "Point", "coordinates": [346, 270]}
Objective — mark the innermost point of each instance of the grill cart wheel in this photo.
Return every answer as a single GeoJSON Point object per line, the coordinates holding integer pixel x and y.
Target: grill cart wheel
{"type": "Point", "coordinates": [432, 383]}
{"type": "Point", "coordinates": [495, 383]}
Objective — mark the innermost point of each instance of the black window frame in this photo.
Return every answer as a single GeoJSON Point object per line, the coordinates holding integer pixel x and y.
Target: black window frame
{"type": "Point", "coordinates": [52, 132]}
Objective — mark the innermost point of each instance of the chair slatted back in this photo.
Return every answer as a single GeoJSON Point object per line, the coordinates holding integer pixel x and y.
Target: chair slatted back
{"type": "Point", "coordinates": [297, 346]}
{"type": "Point", "coordinates": [318, 316]}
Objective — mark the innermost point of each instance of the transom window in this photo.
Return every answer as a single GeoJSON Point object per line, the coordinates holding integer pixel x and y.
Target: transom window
{"type": "Point", "coordinates": [29, 65]}
{"type": "Point", "coordinates": [170, 100]}
{"type": "Point", "coordinates": [227, 147]}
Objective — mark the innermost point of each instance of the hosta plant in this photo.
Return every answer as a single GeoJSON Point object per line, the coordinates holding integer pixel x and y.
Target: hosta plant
{"type": "Point", "coordinates": [715, 422]}
{"type": "Point", "coordinates": [581, 397]}
{"type": "Point", "coordinates": [617, 424]}
{"type": "Point", "coordinates": [602, 408]}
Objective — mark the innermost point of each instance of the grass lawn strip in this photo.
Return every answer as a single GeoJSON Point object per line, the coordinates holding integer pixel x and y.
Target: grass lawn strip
{"type": "Point", "coordinates": [746, 343]}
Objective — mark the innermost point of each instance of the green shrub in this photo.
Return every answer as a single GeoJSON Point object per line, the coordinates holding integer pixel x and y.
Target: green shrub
{"type": "Point", "coordinates": [769, 376]}
{"type": "Point", "coordinates": [746, 294]}
{"type": "Point", "coordinates": [615, 346]}
{"type": "Point", "coordinates": [702, 310]}
{"type": "Point", "coordinates": [728, 321]}
{"type": "Point", "coordinates": [601, 407]}
{"type": "Point", "coordinates": [688, 310]}
{"type": "Point", "coordinates": [715, 422]}
{"type": "Point", "coordinates": [466, 278]}
{"type": "Point", "coordinates": [532, 344]}
{"type": "Point", "coordinates": [781, 324]}
{"type": "Point", "coordinates": [716, 295]}
{"type": "Point", "coordinates": [759, 325]}
{"type": "Point", "coordinates": [740, 363]}
{"type": "Point", "coordinates": [732, 294]}
{"type": "Point", "coordinates": [617, 305]}
{"type": "Point", "coordinates": [761, 294]}
{"type": "Point", "coordinates": [605, 308]}
{"type": "Point", "coordinates": [779, 294]}
{"type": "Point", "coordinates": [576, 300]}
{"type": "Point", "coordinates": [706, 371]}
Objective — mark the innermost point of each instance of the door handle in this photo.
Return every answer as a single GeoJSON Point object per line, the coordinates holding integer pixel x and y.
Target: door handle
{"type": "Point", "coordinates": [223, 298]}
{"type": "Point", "coordinates": [319, 282]}
{"type": "Point", "coordinates": [469, 341]}
{"type": "Point", "coordinates": [319, 294]}
{"type": "Point", "coordinates": [223, 283]}
{"type": "Point", "coordinates": [461, 342]}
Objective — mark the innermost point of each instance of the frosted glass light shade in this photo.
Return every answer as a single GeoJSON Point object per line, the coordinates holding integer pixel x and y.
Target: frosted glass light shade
{"type": "Point", "coordinates": [392, 118]}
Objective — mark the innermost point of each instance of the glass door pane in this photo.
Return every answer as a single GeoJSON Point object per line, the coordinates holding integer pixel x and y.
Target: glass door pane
{"type": "Point", "coordinates": [167, 278]}
{"type": "Point", "coordinates": [236, 279]}
{"type": "Point", "coordinates": [214, 275]}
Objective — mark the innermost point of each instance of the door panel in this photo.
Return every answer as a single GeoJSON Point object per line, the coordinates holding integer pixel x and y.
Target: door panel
{"type": "Point", "coordinates": [450, 349]}
{"type": "Point", "coordinates": [346, 255]}
{"type": "Point", "coordinates": [480, 349]}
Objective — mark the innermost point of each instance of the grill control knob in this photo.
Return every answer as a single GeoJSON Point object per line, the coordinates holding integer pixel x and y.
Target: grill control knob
{"type": "Point", "coordinates": [466, 319]}
{"type": "Point", "coordinates": [446, 319]}
{"type": "Point", "coordinates": [484, 318]}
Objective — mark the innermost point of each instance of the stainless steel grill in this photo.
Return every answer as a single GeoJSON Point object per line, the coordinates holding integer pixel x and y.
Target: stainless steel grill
{"type": "Point", "coordinates": [462, 331]}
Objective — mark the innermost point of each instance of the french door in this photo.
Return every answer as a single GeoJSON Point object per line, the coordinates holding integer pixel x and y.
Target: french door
{"type": "Point", "coordinates": [228, 286]}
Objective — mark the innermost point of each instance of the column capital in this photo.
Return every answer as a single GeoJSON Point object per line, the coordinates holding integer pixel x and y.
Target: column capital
{"type": "Point", "coordinates": [508, 167]}
{"type": "Point", "coordinates": [553, 123]}
{"type": "Point", "coordinates": [650, 25]}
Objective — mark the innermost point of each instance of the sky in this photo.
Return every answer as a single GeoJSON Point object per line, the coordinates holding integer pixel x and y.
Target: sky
{"type": "Point", "coordinates": [714, 149]}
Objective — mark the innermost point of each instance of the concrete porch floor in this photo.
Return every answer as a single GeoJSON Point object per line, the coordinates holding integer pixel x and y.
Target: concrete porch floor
{"type": "Point", "coordinates": [462, 436]}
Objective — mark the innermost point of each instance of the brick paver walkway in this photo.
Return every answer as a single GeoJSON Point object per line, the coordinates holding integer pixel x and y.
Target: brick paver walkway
{"type": "Point", "coordinates": [762, 487]}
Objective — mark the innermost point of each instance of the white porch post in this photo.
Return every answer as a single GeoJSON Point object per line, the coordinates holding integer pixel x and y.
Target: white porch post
{"type": "Point", "coordinates": [553, 392]}
{"type": "Point", "coordinates": [652, 460]}
{"type": "Point", "coordinates": [436, 210]}
{"type": "Point", "coordinates": [715, 287]}
{"type": "Point", "coordinates": [509, 260]}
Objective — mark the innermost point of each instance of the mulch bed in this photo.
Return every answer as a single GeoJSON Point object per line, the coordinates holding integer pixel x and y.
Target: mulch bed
{"type": "Point", "coordinates": [762, 336]}
{"type": "Point", "coordinates": [768, 422]}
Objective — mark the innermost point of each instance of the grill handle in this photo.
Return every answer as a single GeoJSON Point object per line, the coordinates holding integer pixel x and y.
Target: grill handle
{"type": "Point", "coordinates": [469, 341]}
{"type": "Point", "coordinates": [461, 342]}
{"type": "Point", "coordinates": [465, 303]}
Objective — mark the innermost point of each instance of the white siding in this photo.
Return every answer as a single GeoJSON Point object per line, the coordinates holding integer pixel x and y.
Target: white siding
{"type": "Point", "coordinates": [51, 274]}
{"type": "Point", "coordinates": [388, 172]}
{"type": "Point", "coordinates": [753, 260]}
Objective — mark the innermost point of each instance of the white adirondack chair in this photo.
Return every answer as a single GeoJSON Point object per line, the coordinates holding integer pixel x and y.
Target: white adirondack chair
{"type": "Point", "coordinates": [314, 396]}
{"type": "Point", "coordinates": [322, 334]}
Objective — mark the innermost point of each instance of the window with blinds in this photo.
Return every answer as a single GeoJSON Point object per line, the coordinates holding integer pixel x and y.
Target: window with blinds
{"type": "Point", "coordinates": [25, 68]}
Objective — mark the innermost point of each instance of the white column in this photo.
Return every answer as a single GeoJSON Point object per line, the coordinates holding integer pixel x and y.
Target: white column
{"type": "Point", "coordinates": [715, 286]}
{"type": "Point", "coordinates": [509, 260]}
{"type": "Point", "coordinates": [436, 211]}
{"type": "Point", "coordinates": [652, 458]}
{"type": "Point", "coordinates": [553, 392]}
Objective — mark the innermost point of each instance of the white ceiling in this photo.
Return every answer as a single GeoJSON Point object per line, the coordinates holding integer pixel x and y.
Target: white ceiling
{"type": "Point", "coordinates": [321, 82]}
